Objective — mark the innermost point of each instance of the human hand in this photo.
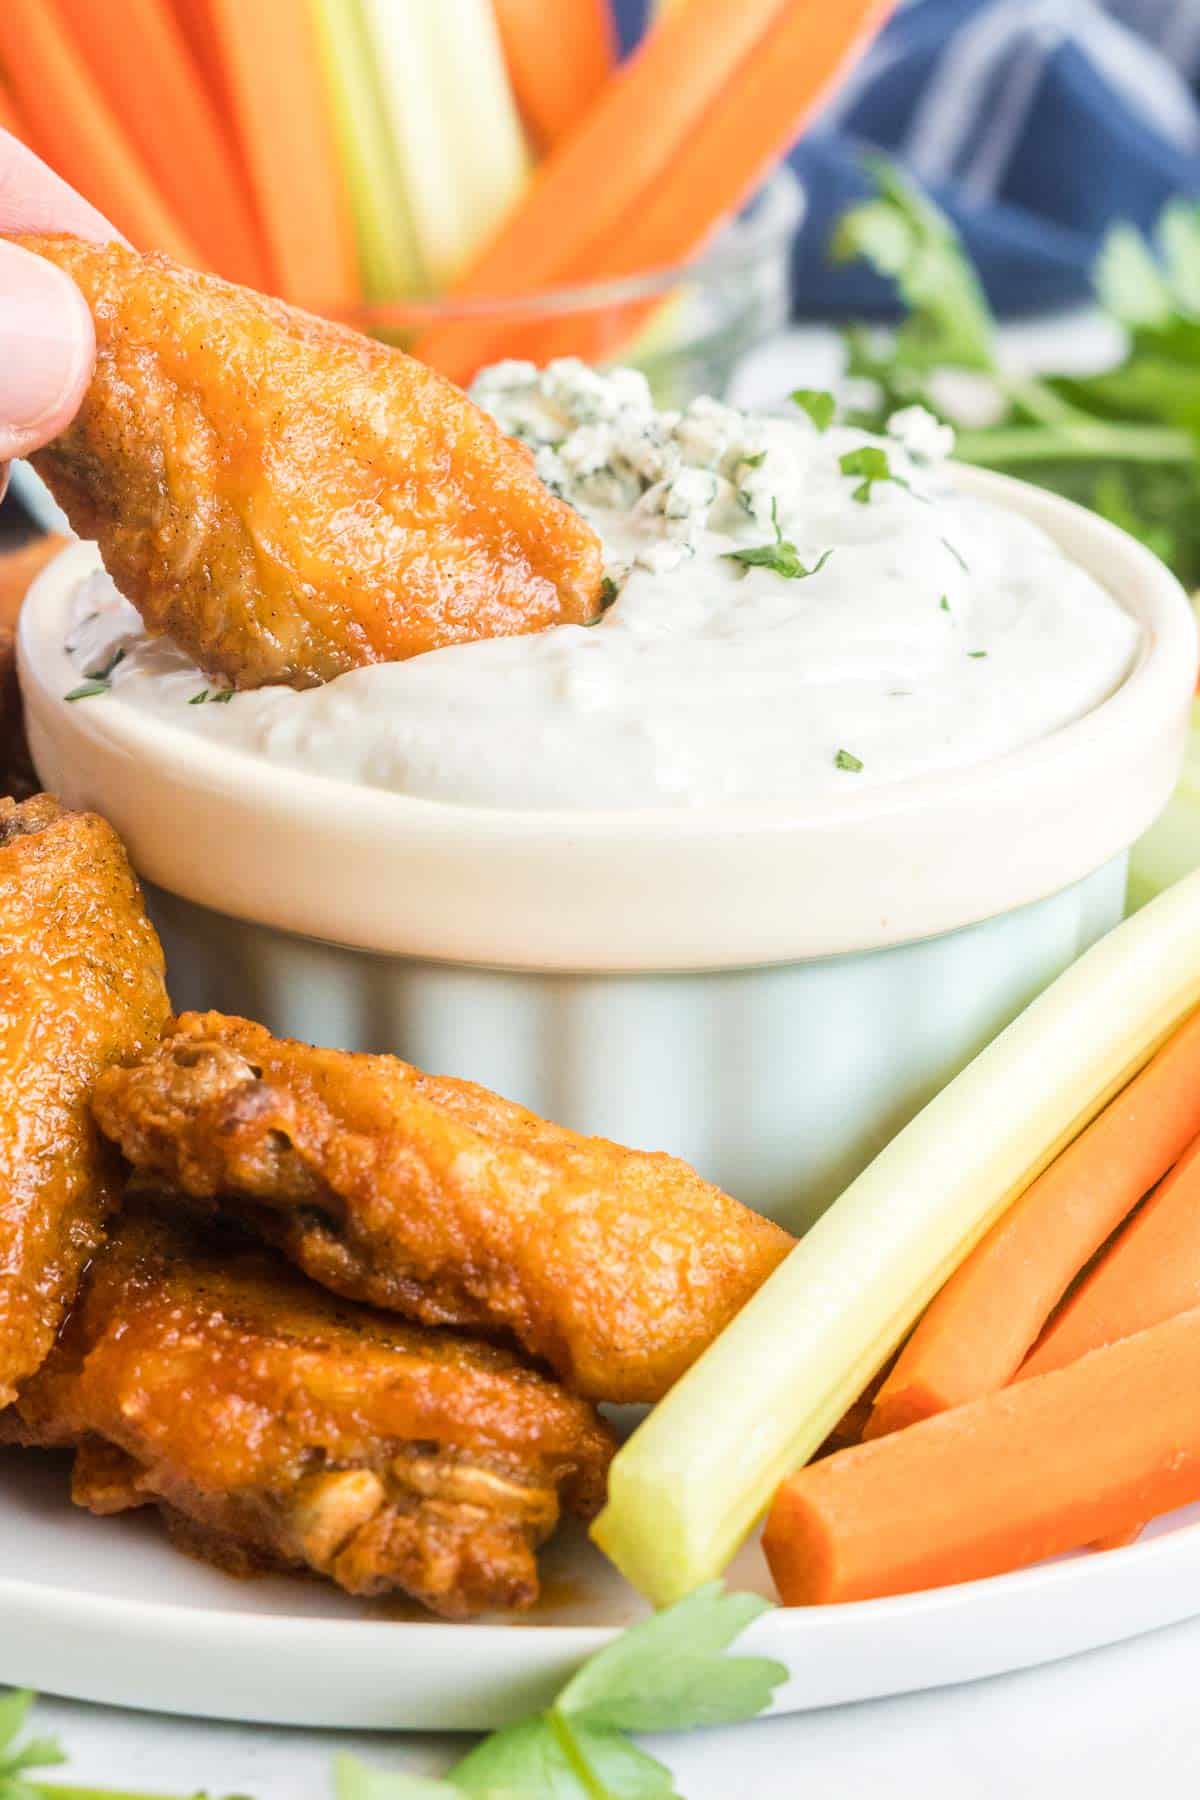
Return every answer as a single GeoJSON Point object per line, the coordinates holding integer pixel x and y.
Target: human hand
{"type": "Point", "coordinates": [47, 344]}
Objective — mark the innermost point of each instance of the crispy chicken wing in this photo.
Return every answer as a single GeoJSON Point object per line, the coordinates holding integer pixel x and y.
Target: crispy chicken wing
{"type": "Point", "coordinates": [275, 1425]}
{"type": "Point", "coordinates": [81, 986]}
{"type": "Point", "coordinates": [288, 499]}
{"type": "Point", "coordinates": [438, 1199]}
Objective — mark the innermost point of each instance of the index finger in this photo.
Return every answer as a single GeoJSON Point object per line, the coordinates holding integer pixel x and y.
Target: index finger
{"type": "Point", "coordinates": [33, 198]}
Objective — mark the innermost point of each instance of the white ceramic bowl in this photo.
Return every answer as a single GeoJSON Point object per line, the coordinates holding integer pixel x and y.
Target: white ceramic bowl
{"type": "Point", "coordinates": [768, 994]}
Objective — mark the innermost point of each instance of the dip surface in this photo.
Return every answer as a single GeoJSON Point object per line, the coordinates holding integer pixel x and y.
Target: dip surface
{"type": "Point", "coordinates": [797, 614]}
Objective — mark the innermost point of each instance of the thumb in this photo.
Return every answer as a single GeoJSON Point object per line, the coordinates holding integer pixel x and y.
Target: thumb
{"type": "Point", "coordinates": [47, 350]}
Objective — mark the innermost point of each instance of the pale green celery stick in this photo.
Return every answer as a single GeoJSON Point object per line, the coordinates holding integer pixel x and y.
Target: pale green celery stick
{"type": "Point", "coordinates": [1171, 847]}
{"type": "Point", "coordinates": [689, 1485]}
{"type": "Point", "coordinates": [388, 254]}
{"type": "Point", "coordinates": [453, 122]}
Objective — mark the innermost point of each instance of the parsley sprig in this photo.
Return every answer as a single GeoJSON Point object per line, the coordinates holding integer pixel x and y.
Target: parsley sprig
{"type": "Point", "coordinates": [871, 462]}
{"type": "Point", "coordinates": [670, 1673]}
{"type": "Point", "coordinates": [98, 681]}
{"type": "Point", "coordinates": [782, 556]}
{"type": "Point", "coordinates": [1125, 442]}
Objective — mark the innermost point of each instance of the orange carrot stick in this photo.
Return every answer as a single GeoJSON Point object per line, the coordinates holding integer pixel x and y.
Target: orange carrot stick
{"type": "Point", "coordinates": [619, 149]}
{"type": "Point", "coordinates": [281, 106]}
{"type": "Point", "coordinates": [1046, 1466]}
{"type": "Point", "coordinates": [140, 62]}
{"type": "Point", "coordinates": [9, 120]}
{"type": "Point", "coordinates": [559, 57]}
{"type": "Point", "coordinates": [975, 1335]}
{"type": "Point", "coordinates": [70, 124]}
{"type": "Point", "coordinates": [195, 21]}
{"type": "Point", "coordinates": [1151, 1273]}
{"type": "Point", "coordinates": [751, 125]}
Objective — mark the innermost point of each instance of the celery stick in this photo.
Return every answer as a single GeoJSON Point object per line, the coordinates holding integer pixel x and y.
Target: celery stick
{"type": "Point", "coordinates": [1171, 847]}
{"type": "Point", "coordinates": [689, 1485]}
{"type": "Point", "coordinates": [389, 258]}
{"type": "Point", "coordinates": [453, 122]}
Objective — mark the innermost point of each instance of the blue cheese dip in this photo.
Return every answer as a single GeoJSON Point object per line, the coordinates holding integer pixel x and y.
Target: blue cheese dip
{"type": "Point", "coordinates": [798, 611]}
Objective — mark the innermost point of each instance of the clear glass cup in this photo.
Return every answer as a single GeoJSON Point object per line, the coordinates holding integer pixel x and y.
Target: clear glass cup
{"type": "Point", "coordinates": [687, 327]}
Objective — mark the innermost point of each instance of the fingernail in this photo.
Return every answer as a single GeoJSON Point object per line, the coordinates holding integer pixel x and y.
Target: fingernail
{"type": "Point", "coordinates": [47, 346]}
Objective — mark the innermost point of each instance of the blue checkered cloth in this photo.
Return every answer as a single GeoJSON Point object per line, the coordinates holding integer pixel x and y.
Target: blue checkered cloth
{"type": "Point", "coordinates": [1035, 123]}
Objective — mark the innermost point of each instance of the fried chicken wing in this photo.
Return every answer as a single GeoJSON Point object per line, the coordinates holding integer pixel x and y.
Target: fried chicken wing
{"type": "Point", "coordinates": [275, 1425]}
{"type": "Point", "coordinates": [288, 499]}
{"type": "Point", "coordinates": [437, 1199]}
{"type": "Point", "coordinates": [81, 986]}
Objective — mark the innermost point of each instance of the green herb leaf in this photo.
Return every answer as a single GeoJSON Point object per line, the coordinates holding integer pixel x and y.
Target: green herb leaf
{"type": "Point", "coordinates": [871, 462]}
{"type": "Point", "coordinates": [958, 556]}
{"type": "Point", "coordinates": [905, 237]}
{"type": "Point", "coordinates": [222, 697]}
{"type": "Point", "coordinates": [670, 1673]}
{"type": "Point", "coordinates": [944, 604]}
{"type": "Point", "coordinates": [16, 1759]}
{"type": "Point", "coordinates": [608, 592]}
{"type": "Point", "coordinates": [818, 403]}
{"type": "Point", "coordinates": [87, 689]}
{"type": "Point", "coordinates": [782, 557]}
{"type": "Point", "coordinates": [199, 699]}
{"type": "Point", "coordinates": [976, 654]}
{"type": "Point", "coordinates": [105, 674]}
{"type": "Point", "coordinates": [845, 760]}
{"type": "Point", "coordinates": [554, 1758]}
{"type": "Point", "coordinates": [756, 461]}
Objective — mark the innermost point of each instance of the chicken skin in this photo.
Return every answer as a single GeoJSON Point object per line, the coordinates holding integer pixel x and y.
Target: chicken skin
{"type": "Point", "coordinates": [18, 569]}
{"type": "Point", "coordinates": [435, 1198]}
{"type": "Point", "coordinates": [277, 1426]}
{"type": "Point", "coordinates": [81, 986]}
{"type": "Point", "coordinates": [287, 499]}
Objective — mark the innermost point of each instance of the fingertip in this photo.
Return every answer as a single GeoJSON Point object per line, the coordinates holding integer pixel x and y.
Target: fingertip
{"type": "Point", "coordinates": [47, 350]}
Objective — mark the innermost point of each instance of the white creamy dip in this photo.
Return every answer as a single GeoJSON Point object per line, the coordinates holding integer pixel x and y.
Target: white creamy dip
{"type": "Point", "coordinates": [883, 628]}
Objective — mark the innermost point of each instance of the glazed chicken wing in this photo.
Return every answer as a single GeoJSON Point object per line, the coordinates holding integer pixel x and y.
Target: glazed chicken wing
{"type": "Point", "coordinates": [437, 1199]}
{"type": "Point", "coordinates": [288, 499]}
{"type": "Point", "coordinates": [81, 986]}
{"type": "Point", "coordinates": [276, 1426]}
{"type": "Point", "coordinates": [18, 568]}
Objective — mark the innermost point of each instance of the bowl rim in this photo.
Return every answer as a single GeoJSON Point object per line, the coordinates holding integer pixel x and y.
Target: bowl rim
{"type": "Point", "coordinates": [895, 863]}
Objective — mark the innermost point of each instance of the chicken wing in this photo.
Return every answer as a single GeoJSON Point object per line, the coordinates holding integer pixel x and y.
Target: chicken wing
{"type": "Point", "coordinates": [288, 499]}
{"type": "Point", "coordinates": [437, 1199]}
{"type": "Point", "coordinates": [276, 1426]}
{"type": "Point", "coordinates": [81, 985]}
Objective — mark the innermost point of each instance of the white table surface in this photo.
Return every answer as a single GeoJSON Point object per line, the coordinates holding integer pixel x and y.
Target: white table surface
{"type": "Point", "coordinates": [1117, 1722]}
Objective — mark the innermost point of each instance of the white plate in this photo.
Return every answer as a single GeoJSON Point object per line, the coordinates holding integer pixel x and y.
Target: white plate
{"type": "Point", "coordinates": [105, 1610]}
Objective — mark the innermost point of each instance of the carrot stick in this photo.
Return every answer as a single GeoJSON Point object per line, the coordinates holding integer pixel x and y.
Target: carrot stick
{"type": "Point", "coordinates": [978, 1330]}
{"type": "Point", "coordinates": [283, 120]}
{"type": "Point", "coordinates": [140, 62]}
{"type": "Point", "coordinates": [618, 151]}
{"type": "Point", "coordinates": [198, 28]}
{"type": "Point", "coordinates": [1046, 1466]}
{"type": "Point", "coordinates": [749, 128]}
{"type": "Point", "coordinates": [1151, 1273]}
{"type": "Point", "coordinates": [559, 57]}
{"type": "Point", "coordinates": [9, 120]}
{"type": "Point", "coordinates": [70, 124]}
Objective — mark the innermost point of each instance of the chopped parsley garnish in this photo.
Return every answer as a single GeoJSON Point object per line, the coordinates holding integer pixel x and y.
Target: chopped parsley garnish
{"type": "Point", "coordinates": [756, 461]}
{"type": "Point", "coordinates": [976, 653]}
{"type": "Point", "coordinates": [199, 699]}
{"type": "Point", "coordinates": [845, 760]}
{"type": "Point", "coordinates": [87, 689]}
{"type": "Point", "coordinates": [781, 556]}
{"type": "Point", "coordinates": [222, 697]}
{"type": "Point", "coordinates": [944, 604]}
{"type": "Point", "coordinates": [608, 592]}
{"type": "Point", "coordinates": [818, 403]}
{"type": "Point", "coordinates": [105, 674]}
{"type": "Point", "coordinates": [958, 556]}
{"type": "Point", "coordinates": [871, 463]}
